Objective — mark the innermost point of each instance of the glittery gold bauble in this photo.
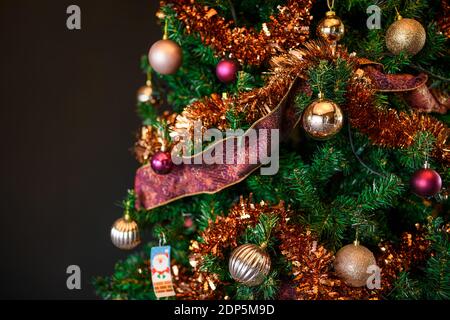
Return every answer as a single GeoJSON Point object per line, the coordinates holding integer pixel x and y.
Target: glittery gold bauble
{"type": "Point", "coordinates": [249, 265]}
{"type": "Point", "coordinates": [125, 233]}
{"type": "Point", "coordinates": [145, 95]}
{"type": "Point", "coordinates": [351, 264]}
{"type": "Point", "coordinates": [405, 35]}
{"type": "Point", "coordinates": [165, 56]}
{"type": "Point", "coordinates": [331, 28]}
{"type": "Point", "coordinates": [322, 119]}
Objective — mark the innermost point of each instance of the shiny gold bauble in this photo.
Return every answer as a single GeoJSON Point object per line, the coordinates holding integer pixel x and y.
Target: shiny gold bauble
{"type": "Point", "coordinates": [249, 265]}
{"type": "Point", "coordinates": [322, 119]}
{"type": "Point", "coordinates": [145, 95]}
{"type": "Point", "coordinates": [165, 56]}
{"type": "Point", "coordinates": [405, 35]}
{"type": "Point", "coordinates": [125, 234]}
{"type": "Point", "coordinates": [331, 28]}
{"type": "Point", "coordinates": [351, 264]}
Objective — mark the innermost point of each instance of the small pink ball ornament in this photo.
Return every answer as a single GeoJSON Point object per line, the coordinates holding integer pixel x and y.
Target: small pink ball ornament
{"type": "Point", "coordinates": [226, 70]}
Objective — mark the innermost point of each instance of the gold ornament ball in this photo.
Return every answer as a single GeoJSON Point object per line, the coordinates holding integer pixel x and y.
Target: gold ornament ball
{"type": "Point", "coordinates": [405, 35]}
{"type": "Point", "coordinates": [322, 119]}
{"type": "Point", "coordinates": [331, 28]}
{"type": "Point", "coordinates": [249, 265]}
{"type": "Point", "coordinates": [351, 264]}
{"type": "Point", "coordinates": [125, 234]}
{"type": "Point", "coordinates": [165, 56]}
{"type": "Point", "coordinates": [145, 95]}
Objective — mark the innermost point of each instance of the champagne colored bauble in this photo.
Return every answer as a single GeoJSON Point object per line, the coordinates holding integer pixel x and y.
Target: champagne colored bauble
{"type": "Point", "coordinates": [145, 95]}
{"type": "Point", "coordinates": [322, 119]}
{"type": "Point", "coordinates": [331, 28]}
{"type": "Point", "coordinates": [351, 264]}
{"type": "Point", "coordinates": [165, 56]}
{"type": "Point", "coordinates": [405, 35]}
{"type": "Point", "coordinates": [125, 234]}
{"type": "Point", "coordinates": [249, 265]}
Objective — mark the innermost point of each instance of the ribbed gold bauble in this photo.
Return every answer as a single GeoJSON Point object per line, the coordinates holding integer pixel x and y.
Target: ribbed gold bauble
{"type": "Point", "coordinates": [331, 28]}
{"type": "Point", "coordinates": [405, 35]}
{"type": "Point", "coordinates": [249, 265]}
{"type": "Point", "coordinates": [125, 233]}
{"type": "Point", "coordinates": [351, 264]}
{"type": "Point", "coordinates": [322, 119]}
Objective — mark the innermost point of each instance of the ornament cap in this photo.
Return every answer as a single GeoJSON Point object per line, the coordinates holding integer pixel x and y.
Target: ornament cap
{"type": "Point", "coordinates": [330, 14]}
{"type": "Point", "coordinates": [426, 165]}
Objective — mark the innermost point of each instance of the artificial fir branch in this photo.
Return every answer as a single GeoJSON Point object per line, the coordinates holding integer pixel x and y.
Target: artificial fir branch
{"type": "Point", "coordinates": [325, 183]}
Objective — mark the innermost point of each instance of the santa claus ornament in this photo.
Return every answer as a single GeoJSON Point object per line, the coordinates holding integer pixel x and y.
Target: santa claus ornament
{"type": "Point", "coordinates": [160, 268]}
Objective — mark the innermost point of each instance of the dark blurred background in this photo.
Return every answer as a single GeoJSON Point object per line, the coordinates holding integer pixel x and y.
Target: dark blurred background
{"type": "Point", "coordinates": [67, 101]}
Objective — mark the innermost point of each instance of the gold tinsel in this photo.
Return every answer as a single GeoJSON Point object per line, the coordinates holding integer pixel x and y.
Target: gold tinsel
{"type": "Point", "coordinates": [444, 18]}
{"type": "Point", "coordinates": [391, 128]}
{"type": "Point", "coordinates": [311, 264]}
{"type": "Point", "coordinates": [221, 234]}
{"type": "Point", "coordinates": [388, 128]}
{"type": "Point", "coordinates": [211, 112]}
{"type": "Point", "coordinates": [287, 30]}
{"type": "Point", "coordinates": [149, 140]}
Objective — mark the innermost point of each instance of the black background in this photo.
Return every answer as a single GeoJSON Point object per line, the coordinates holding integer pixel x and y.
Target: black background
{"type": "Point", "coordinates": [68, 122]}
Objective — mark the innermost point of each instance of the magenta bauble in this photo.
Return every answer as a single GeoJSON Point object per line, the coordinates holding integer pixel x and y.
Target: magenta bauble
{"type": "Point", "coordinates": [226, 70]}
{"type": "Point", "coordinates": [426, 182]}
{"type": "Point", "coordinates": [162, 162]}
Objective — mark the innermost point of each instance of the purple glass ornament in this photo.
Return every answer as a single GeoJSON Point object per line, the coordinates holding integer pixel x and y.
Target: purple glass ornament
{"type": "Point", "coordinates": [162, 162]}
{"type": "Point", "coordinates": [226, 70]}
{"type": "Point", "coordinates": [426, 182]}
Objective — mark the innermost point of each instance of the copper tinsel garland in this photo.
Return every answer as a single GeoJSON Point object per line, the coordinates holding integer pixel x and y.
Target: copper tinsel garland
{"type": "Point", "coordinates": [391, 128]}
{"type": "Point", "coordinates": [312, 272]}
{"type": "Point", "coordinates": [287, 30]}
{"type": "Point", "coordinates": [312, 264]}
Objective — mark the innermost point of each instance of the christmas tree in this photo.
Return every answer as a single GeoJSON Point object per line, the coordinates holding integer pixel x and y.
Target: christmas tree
{"type": "Point", "coordinates": [304, 154]}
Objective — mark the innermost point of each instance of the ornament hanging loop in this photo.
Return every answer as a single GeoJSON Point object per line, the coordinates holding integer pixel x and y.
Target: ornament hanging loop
{"type": "Point", "coordinates": [148, 83]}
{"type": "Point", "coordinates": [398, 16]}
{"type": "Point", "coordinates": [356, 242]}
